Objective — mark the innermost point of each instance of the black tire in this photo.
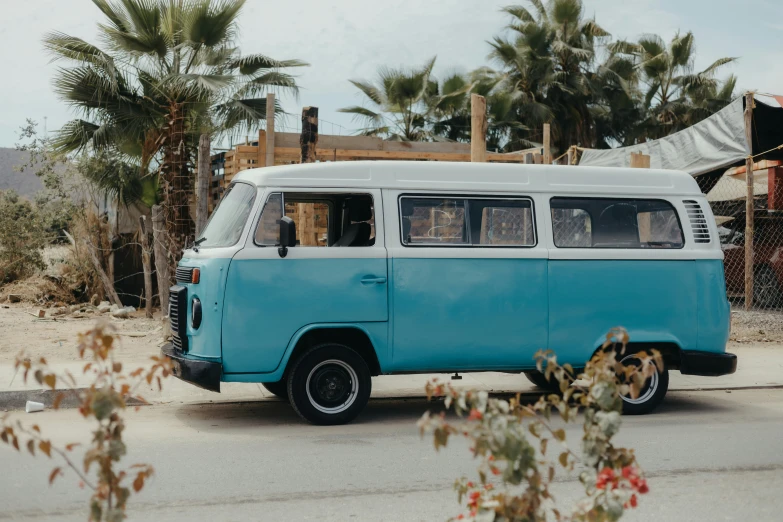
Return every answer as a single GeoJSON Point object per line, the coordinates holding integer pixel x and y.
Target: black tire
{"type": "Point", "coordinates": [278, 389]}
{"type": "Point", "coordinates": [540, 380]}
{"type": "Point", "coordinates": [651, 395]}
{"type": "Point", "coordinates": [766, 289]}
{"type": "Point", "coordinates": [329, 384]}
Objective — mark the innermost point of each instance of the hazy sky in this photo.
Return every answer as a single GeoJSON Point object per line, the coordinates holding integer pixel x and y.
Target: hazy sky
{"type": "Point", "coordinates": [351, 38]}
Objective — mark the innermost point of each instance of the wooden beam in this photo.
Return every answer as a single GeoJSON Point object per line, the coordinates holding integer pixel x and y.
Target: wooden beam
{"type": "Point", "coordinates": [270, 130]}
{"type": "Point", "coordinates": [146, 262]}
{"type": "Point", "coordinates": [261, 152]}
{"type": "Point", "coordinates": [203, 176]}
{"type": "Point", "coordinates": [308, 141]}
{"type": "Point", "coordinates": [640, 161]}
{"type": "Point", "coordinates": [478, 128]}
{"type": "Point", "coordinates": [547, 145]}
{"type": "Point", "coordinates": [749, 202]}
{"type": "Point", "coordinates": [643, 224]}
{"type": "Point", "coordinates": [108, 285]}
{"type": "Point", "coordinates": [294, 154]}
{"type": "Point", "coordinates": [160, 248]}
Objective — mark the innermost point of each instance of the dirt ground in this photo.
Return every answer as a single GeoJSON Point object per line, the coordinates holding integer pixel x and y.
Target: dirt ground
{"type": "Point", "coordinates": [756, 326]}
{"type": "Point", "coordinates": [56, 337]}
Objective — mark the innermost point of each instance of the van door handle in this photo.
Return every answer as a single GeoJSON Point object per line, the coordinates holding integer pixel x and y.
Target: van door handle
{"type": "Point", "coordinates": [370, 280]}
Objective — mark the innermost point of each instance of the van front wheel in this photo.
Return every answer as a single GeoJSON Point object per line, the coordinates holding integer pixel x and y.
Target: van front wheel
{"type": "Point", "coordinates": [329, 384]}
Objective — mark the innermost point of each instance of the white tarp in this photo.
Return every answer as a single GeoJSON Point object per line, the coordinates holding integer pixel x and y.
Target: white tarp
{"type": "Point", "coordinates": [715, 142]}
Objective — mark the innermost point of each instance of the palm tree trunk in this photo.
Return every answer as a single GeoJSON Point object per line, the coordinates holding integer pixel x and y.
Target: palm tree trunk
{"type": "Point", "coordinates": [177, 180]}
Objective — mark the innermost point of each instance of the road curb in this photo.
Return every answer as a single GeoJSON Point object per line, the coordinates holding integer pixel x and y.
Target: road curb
{"type": "Point", "coordinates": [16, 399]}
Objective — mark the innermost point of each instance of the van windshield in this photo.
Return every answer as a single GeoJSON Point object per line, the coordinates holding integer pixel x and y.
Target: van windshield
{"type": "Point", "coordinates": [226, 224]}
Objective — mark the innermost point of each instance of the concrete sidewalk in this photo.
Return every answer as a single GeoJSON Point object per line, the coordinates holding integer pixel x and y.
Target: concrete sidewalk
{"type": "Point", "coordinates": [759, 366]}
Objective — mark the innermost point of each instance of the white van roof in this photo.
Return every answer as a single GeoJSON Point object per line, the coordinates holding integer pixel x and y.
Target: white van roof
{"type": "Point", "coordinates": [474, 177]}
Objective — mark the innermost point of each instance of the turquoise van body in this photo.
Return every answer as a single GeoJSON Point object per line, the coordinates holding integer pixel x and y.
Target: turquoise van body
{"type": "Point", "coordinates": [439, 308]}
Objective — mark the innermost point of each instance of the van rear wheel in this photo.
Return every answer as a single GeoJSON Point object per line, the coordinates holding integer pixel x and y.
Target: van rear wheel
{"type": "Point", "coordinates": [278, 389]}
{"type": "Point", "coordinates": [329, 384]}
{"type": "Point", "coordinates": [651, 394]}
{"type": "Point", "coordinates": [540, 380]}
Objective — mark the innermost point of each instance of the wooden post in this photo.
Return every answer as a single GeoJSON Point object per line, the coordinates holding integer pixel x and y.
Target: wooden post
{"type": "Point", "coordinates": [308, 140]}
{"type": "Point", "coordinates": [146, 262]}
{"type": "Point", "coordinates": [261, 157]}
{"type": "Point", "coordinates": [478, 128]}
{"type": "Point", "coordinates": [547, 145]}
{"type": "Point", "coordinates": [202, 184]}
{"type": "Point", "coordinates": [572, 155]}
{"type": "Point", "coordinates": [529, 158]}
{"type": "Point", "coordinates": [640, 161]}
{"type": "Point", "coordinates": [270, 130]}
{"type": "Point", "coordinates": [749, 202]}
{"type": "Point", "coordinates": [161, 250]}
{"type": "Point", "coordinates": [111, 293]}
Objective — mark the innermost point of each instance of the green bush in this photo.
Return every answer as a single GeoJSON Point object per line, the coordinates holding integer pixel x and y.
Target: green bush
{"type": "Point", "coordinates": [23, 236]}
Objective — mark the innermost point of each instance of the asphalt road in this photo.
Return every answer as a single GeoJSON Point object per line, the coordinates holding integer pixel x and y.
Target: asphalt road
{"type": "Point", "coordinates": [709, 455]}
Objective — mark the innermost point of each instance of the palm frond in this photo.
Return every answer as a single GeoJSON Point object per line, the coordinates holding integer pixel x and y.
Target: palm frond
{"type": "Point", "coordinates": [210, 23]}
{"type": "Point", "coordinates": [251, 64]}
{"type": "Point", "coordinates": [369, 90]}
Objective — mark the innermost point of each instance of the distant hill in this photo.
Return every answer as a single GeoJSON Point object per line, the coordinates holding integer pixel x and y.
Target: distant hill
{"type": "Point", "coordinates": [24, 183]}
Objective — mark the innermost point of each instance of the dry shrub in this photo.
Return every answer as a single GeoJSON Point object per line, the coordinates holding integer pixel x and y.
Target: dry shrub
{"type": "Point", "coordinates": [78, 272]}
{"type": "Point", "coordinates": [68, 275]}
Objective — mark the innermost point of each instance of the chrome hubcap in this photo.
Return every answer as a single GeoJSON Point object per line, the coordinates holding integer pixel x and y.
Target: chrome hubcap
{"type": "Point", "coordinates": [332, 386]}
{"type": "Point", "coordinates": [649, 388]}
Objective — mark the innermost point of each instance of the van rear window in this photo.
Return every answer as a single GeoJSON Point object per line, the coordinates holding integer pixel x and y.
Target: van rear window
{"type": "Point", "coordinates": [615, 223]}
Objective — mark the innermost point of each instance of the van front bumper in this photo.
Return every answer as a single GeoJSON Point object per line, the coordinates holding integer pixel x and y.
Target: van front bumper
{"type": "Point", "coordinates": [204, 374]}
{"type": "Point", "coordinates": [707, 363]}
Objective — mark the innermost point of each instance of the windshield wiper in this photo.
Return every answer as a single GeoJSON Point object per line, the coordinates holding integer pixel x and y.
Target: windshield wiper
{"type": "Point", "coordinates": [199, 241]}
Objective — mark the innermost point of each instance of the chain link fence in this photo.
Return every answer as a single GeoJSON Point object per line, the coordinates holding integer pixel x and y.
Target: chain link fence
{"type": "Point", "coordinates": [727, 196]}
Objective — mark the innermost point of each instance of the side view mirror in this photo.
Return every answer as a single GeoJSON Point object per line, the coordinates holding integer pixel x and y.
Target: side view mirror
{"type": "Point", "coordinates": [287, 235]}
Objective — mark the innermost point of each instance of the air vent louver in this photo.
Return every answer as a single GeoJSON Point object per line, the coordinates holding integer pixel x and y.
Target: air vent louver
{"type": "Point", "coordinates": [701, 231]}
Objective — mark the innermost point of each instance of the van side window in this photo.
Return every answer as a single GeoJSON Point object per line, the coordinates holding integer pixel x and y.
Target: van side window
{"type": "Point", "coordinates": [501, 222]}
{"type": "Point", "coordinates": [322, 219]}
{"type": "Point", "coordinates": [433, 221]}
{"type": "Point", "coordinates": [615, 223]}
{"type": "Point", "coordinates": [466, 221]}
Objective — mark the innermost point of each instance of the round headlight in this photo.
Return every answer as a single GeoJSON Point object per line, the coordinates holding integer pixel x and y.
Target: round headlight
{"type": "Point", "coordinates": [195, 313]}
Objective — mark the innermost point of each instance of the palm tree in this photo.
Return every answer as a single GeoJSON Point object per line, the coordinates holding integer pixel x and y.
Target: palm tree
{"type": "Point", "coordinates": [546, 69]}
{"type": "Point", "coordinates": [449, 109]}
{"type": "Point", "coordinates": [675, 96]}
{"type": "Point", "coordinates": [170, 71]}
{"type": "Point", "coordinates": [398, 103]}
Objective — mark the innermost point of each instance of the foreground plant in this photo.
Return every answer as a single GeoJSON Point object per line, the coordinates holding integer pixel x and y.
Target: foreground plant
{"type": "Point", "coordinates": [103, 401]}
{"type": "Point", "coordinates": [515, 442]}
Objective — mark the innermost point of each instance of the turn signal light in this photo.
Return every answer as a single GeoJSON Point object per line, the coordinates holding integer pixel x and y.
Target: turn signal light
{"type": "Point", "coordinates": [195, 276]}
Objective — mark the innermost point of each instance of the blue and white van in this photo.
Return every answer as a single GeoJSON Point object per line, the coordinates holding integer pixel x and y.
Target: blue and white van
{"type": "Point", "coordinates": [311, 279]}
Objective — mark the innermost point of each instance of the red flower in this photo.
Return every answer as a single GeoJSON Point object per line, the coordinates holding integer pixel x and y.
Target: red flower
{"type": "Point", "coordinates": [460, 516]}
{"type": "Point", "coordinates": [633, 501]}
{"type": "Point", "coordinates": [495, 471]}
{"type": "Point", "coordinates": [488, 487]}
{"type": "Point", "coordinates": [643, 487]}
{"type": "Point", "coordinates": [469, 484]}
{"type": "Point", "coordinates": [475, 415]}
{"type": "Point", "coordinates": [604, 477]}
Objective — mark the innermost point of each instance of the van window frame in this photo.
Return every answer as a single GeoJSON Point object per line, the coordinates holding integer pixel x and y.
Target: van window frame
{"type": "Point", "coordinates": [469, 243]}
{"type": "Point", "coordinates": [332, 224]}
{"type": "Point", "coordinates": [619, 199]}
